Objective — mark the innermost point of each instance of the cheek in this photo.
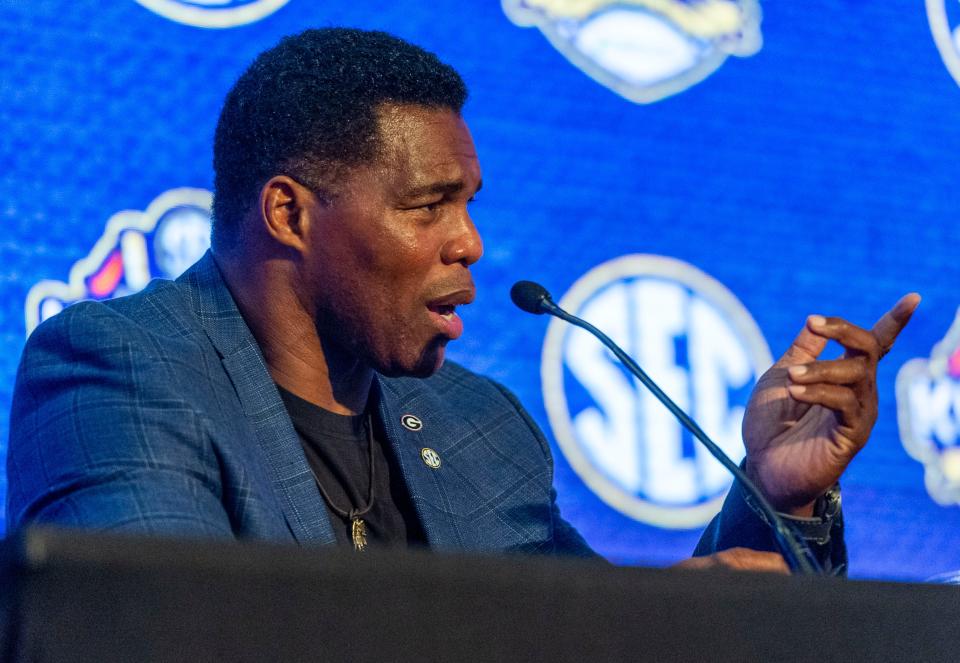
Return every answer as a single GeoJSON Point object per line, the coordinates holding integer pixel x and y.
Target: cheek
{"type": "Point", "coordinates": [402, 265]}
{"type": "Point", "coordinates": [381, 275]}
{"type": "Point", "coordinates": [386, 251]}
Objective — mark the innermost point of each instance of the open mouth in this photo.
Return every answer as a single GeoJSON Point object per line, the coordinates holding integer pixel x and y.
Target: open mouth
{"type": "Point", "coordinates": [446, 320]}
{"type": "Point", "coordinates": [446, 311]}
{"type": "Point", "coordinates": [443, 312]}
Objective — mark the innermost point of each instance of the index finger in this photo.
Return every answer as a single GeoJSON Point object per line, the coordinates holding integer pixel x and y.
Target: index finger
{"type": "Point", "coordinates": [893, 321]}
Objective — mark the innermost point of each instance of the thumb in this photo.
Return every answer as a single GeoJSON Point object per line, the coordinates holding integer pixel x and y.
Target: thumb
{"type": "Point", "coordinates": [893, 321]}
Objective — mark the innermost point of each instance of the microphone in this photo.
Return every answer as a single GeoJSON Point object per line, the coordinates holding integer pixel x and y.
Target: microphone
{"type": "Point", "coordinates": [530, 297]}
{"type": "Point", "coordinates": [534, 298]}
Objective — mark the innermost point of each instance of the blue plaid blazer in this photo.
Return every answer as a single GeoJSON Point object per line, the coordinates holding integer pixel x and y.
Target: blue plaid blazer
{"type": "Point", "coordinates": [155, 413]}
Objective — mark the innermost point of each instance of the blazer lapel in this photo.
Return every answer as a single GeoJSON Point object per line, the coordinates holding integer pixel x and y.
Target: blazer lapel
{"type": "Point", "coordinates": [444, 496]}
{"type": "Point", "coordinates": [428, 487]}
{"type": "Point", "coordinates": [490, 489]}
{"type": "Point", "coordinates": [287, 465]}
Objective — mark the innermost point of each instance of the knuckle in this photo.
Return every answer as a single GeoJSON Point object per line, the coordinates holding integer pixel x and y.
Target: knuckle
{"type": "Point", "coordinates": [849, 399]}
{"type": "Point", "coordinates": [732, 555]}
{"type": "Point", "coordinates": [859, 369]}
{"type": "Point", "coordinates": [821, 391]}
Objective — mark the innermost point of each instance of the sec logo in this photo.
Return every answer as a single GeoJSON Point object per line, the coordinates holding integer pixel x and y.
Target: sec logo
{"type": "Point", "coordinates": [944, 17]}
{"type": "Point", "coordinates": [644, 50]}
{"type": "Point", "coordinates": [928, 412]}
{"type": "Point", "coordinates": [697, 341]}
{"type": "Point", "coordinates": [213, 13]}
{"type": "Point", "coordinates": [171, 234]}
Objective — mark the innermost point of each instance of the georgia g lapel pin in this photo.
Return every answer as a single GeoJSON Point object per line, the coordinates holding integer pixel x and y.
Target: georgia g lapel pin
{"type": "Point", "coordinates": [411, 422]}
{"type": "Point", "coordinates": [429, 457]}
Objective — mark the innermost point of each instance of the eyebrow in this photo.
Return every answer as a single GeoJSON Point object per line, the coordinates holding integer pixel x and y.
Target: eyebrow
{"type": "Point", "coordinates": [445, 188]}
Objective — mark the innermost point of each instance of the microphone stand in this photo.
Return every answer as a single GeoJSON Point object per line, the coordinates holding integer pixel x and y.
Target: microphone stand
{"type": "Point", "coordinates": [798, 556]}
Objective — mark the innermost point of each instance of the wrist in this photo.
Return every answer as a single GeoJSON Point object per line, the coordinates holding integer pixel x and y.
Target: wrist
{"type": "Point", "coordinates": [805, 511]}
{"type": "Point", "coordinates": [783, 502]}
{"type": "Point", "coordinates": [814, 528]}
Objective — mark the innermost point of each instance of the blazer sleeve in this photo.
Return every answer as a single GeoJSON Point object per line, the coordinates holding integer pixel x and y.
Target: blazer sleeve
{"type": "Point", "coordinates": [742, 524]}
{"type": "Point", "coordinates": [101, 437]}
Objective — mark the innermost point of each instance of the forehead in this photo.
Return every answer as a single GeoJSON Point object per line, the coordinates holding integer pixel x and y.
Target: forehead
{"type": "Point", "coordinates": [424, 143]}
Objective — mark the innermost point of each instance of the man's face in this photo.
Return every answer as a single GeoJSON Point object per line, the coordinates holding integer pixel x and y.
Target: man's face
{"type": "Point", "coordinates": [389, 257]}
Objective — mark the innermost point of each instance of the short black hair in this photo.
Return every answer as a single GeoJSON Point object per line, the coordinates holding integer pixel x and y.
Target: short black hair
{"type": "Point", "coordinates": [307, 108]}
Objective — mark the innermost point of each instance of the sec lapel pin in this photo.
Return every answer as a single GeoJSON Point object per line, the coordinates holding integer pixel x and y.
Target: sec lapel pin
{"type": "Point", "coordinates": [430, 457]}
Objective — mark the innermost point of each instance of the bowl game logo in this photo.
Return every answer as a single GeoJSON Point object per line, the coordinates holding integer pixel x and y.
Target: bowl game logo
{"type": "Point", "coordinates": [644, 50]}
{"type": "Point", "coordinates": [697, 341]}
{"type": "Point", "coordinates": [928, 412]}
{"type": "Point", "coordinates": [214, 13]}
{"type": "Point", "coordinates": [161, 241]}
{"type": "Point", "coordinates": [944, 16]}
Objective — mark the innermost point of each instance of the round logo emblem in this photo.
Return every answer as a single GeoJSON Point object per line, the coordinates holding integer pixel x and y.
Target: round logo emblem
{"type": "Point", "coordinates": [411, 422]}
{"type": "Point", "coordinates": [944, 17]}
{"type": "Point", "coordinates": [162, 241]}
{"type": "Point", "coordinates": [928, 403]}
{"type": "Point", "coordinates": [430, 457]}
{"type": "Point", "coordinates": [697, 341]}
{"type": "Point", "coordinates": [644, 50]}
{"type": "Point", "coordinates": [213, 13]}
{"type": "Point", "coordinates": [181, 238]}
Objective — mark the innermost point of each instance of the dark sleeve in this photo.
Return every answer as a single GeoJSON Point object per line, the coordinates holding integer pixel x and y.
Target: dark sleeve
{"type": "Point", "coordinates": [742, 524]}
{"type": "Point", "coordinates": [102, 437]}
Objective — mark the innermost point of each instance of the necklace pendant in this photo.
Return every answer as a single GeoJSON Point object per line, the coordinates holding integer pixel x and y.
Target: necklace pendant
{"type": "Point", "coordinates": [359, 532]}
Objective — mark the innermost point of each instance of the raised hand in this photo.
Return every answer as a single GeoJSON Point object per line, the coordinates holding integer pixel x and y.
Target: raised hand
{"type": "Point", "coordinates": [807, 418]}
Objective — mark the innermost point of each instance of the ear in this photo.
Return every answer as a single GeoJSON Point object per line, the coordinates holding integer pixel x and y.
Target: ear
{"type": "Point", "coordinates": [285, 211]}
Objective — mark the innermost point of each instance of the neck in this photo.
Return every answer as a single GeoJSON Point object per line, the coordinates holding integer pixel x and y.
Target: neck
{"type": "Point", "coordinates": [297, 357]}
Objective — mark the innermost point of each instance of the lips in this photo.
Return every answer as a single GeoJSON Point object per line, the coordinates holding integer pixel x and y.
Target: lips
{"type": "Point", "coordinates": [443, 312]}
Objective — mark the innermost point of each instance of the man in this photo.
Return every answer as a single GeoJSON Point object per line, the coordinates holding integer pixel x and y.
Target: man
{"type": "Point", "coordinates": [291, 385]}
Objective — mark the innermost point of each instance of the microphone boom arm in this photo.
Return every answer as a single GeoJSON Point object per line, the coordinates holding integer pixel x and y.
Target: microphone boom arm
{"type": "Point", "coordinates": [798, 557]}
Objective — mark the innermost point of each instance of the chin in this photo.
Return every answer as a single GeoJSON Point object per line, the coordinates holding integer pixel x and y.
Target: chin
{"type": "Point", "coordinates": [426, 364]}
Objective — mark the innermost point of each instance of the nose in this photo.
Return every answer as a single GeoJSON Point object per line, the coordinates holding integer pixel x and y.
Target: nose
{"type": "Point", "coordinates": [465, 246]}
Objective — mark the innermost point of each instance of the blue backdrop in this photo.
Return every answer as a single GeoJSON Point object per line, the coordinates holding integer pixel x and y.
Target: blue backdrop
{"type": "Point", "coordinates": [799, 162]}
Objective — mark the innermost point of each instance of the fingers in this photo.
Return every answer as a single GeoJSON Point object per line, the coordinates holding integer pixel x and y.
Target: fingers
{"type": "Point", "coordinates": [893, 321]}
{"type": "Point", "coordinates": [807, 346]}
{"type": "Point", "coordinates": [738, 559]}
{"type": "Point", "coordinates": [850, 336]}
{"type": "Point", "coordinates": [842, 400]}
{"type": "Point", "coordinates": [818, 330]}
{"type": "Point", "coordinates": [836, 371]}
{"type": "Point", "coordinates": [813, 338]}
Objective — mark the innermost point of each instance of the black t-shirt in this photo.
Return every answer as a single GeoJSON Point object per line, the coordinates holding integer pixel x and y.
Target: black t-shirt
{"type": "Point", "coordinates": [338, 451]}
